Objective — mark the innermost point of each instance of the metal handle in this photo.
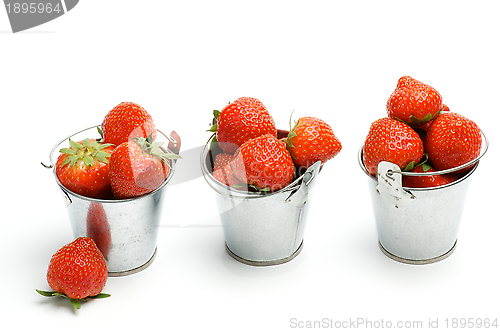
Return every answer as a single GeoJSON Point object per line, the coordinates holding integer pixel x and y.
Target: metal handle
{"type": "Point", "coordinates": [449, 170]}
{"type": "Point", "coordinates": [173, 146]}
{"type": "Point", "coordinates": [299, 196]}
{"type": "Point", "coordinates": [454, 169]}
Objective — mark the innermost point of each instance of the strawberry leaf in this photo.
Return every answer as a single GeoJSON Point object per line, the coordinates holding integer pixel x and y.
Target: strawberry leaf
{"type": "Point", "coordinates": [67, 151]}
{"type": "Point", "coordinates": [76, 303]}
{"type": "Point", "coordinates": [88, 160]}
{"type": "Point", "coordinates": [267, 189]}
{"type": "Point", "coordinates": [288, 141]}
{"type": "Point", "coordinates": [47, 293]}
{"type": "Point", "coordinates": [102, 146]}
{"type": "Point", "coordinates": [103, 156]}
{"type": "Point", "coordinates": [213, 128]}
{"type": "Point", "coordinates": [416, 122]}
{"type": "Point", "coordinates": [409, 167]}
{"type": "Point", "coordinates": [425, 158]}
{"type": "Point", "coordinates": [71, 160]}
{"type": "Point", "coordinates": [426, 167]}
{"type": "Point", "coordinates": [74, 145]}
{"type": "Point", "coordinates": [149, 139]}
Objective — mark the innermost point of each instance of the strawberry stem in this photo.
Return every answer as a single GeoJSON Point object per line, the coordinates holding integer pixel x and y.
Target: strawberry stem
{"type": "Point", "coordinates": [86, 151]}
{"type": "Point", "coordinates": [77, 303]}
{"type": "Point", "coordinates": [154, 148]}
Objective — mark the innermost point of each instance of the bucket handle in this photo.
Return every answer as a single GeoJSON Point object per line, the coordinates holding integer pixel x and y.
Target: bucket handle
{"type": "Point", "coordinates": [174, 144]}
{"type": "Point", "coordinates": [298, 197]}
{"type": "Point", "coordinates": [449, 170]}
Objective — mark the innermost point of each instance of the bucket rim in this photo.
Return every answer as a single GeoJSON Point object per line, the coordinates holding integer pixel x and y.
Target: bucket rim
{"type": "Point", "coordinates": [474, 162]}
{"type": "Point", "coordinates": [101, 200]}
{"type": "Point", "coordinates": [230, 191]}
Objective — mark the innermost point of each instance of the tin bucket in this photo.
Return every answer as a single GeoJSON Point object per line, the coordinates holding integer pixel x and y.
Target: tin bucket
{"type": "Point", "coordinates": [261, 229]}
{"type": "Point", "coordinates": [125, 230]}
{"type": "Point", "coordinates": [417, 225]}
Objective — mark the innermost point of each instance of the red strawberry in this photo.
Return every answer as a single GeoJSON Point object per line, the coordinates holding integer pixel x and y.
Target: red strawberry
{"type": "Point", "coordinates": [310, 140]}
{"type": "Point", "coordinates": [429, 180]}
{"type": "Point", "coordinates": [452, 140]}
{"type": "Point", "coordinates": [83, 168]}
{"type": "Point", "coordinates": [138, 167]}
{"type": "Point", "coordinates": [226, 176]}
{"type": "Point", "coordinates": [264, 162]}
{"type": "Point", "coordinates": [98, 227]}
{"type": "Point", "coordinates": [241, 120]}
{"type": "Point", "coordinates": [126, 121]}
{"type": "Point", "coordinates": [78, 271]}
{"type": "Point", "coordinates": [393, 141]}
{"type": "Point", "coordinates": [414, 102]}
{"type": "Point", "coordinates": [426, 126]}
{"type": "Point", "coordinates": [222, 159]}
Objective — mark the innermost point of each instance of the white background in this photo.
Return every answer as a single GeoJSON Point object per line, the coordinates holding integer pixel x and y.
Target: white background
{"type": "Point", "coordinates": [336, 60]}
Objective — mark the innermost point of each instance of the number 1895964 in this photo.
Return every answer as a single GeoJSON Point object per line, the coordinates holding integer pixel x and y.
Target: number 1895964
{"type": "Point", "coordinates": [33, 8]}
{"type": "Point", "coordinates": [471, 323]}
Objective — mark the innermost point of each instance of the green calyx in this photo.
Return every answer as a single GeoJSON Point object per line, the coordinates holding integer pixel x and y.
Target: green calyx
{"type": "Point", "coordinates": [149, 146]}
{"type": "Point", "coordinates": [213, 127]}
{"type": "Point", "coordinates": [257, 189]}
{"type": "Point", "coordinates": [423, 162]}
{"type": "Point", "coordinates": [291, 133]}
{"type": "Point", "coordinates": [77, 303]}
{"type": "Point", "coordinates": [416, 122]}
{"type": "Point", "coordinates": [88, 151]}
{"type": "Point", "coordinates": [409, 167]}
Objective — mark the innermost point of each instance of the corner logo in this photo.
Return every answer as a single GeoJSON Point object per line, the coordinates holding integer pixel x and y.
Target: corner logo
{"type": "Point", "coordinates": [26, 14]}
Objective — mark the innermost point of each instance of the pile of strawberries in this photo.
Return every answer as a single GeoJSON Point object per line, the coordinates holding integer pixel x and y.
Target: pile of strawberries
{"type": "Point", "coordinates": [126, 162]}
{"type": "Point", "coordinates": [255, 156]}
{"type": "Point", "coordinates": [421, 135]}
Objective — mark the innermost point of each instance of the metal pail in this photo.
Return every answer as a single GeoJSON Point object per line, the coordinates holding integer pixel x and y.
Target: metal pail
{"type": "Point", "coordinates": [417, 225]}
{"type": "Point", "coordinates": [261, 229]}
{"type": "Point", "coordinates": [125, 230]}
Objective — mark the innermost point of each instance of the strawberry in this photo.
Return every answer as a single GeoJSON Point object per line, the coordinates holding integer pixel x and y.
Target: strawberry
{"type": "Point", "coordinates": [226, 176]}
{"type": "Point", "coordinates": [414, 102]}
{"type": "Point", "coordinates": [393, 141]}
{"type": "Point", "coordinates": [424, 128]}
{"type": "Point", "coordinates": [428, 180]}
{"type": "Point", "coordinates": [77, 271]}
{"type": "Point", "coordinates": [98, 227]}
{"type": "Point", "coordinates": [222, 159]}
{"type": "Point", "coordinates": [138, 167]}
{"type": "Point", "coordinates": [126, 121]}
{"type": "Point", "coordinates": [83, 168]}
{"type": "Point", "coordinates": [241, 120]}
{"type": "Point", "coordinates": [310, 140]}
{"type": "Point", "coordinates": [452, 140]}
{"type": "Point", "coordinates": [264, 162]}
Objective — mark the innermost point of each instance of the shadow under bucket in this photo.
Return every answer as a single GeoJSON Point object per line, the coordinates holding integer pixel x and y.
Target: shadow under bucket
{"type": "Point", "coordinates": [417, 225]}
{"type": "Point", "coordinates": [125, 230]}
{"type": "Point", "coordinates": [261, 229]}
